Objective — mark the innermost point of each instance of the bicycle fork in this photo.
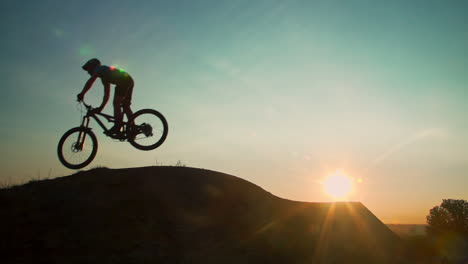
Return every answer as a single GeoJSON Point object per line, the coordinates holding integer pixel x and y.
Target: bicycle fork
{"type": "Point", "coordinates": [82, 135]}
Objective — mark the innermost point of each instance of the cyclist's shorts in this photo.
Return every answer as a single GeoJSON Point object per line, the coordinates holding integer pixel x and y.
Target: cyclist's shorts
{"type": "Point", "coordinates": [125, 89]}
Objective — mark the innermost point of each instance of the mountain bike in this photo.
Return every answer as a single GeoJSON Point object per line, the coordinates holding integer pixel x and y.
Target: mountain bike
{"type": "Point", "coordinates": [146, 130]}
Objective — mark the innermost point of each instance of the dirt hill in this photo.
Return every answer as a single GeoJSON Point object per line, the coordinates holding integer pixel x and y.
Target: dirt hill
{"type": "Point", "coordinates": [408, 230]}
{"type": "Point", "coordinates": [180, 215]}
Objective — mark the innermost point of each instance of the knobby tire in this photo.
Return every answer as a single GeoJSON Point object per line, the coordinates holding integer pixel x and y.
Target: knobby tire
{"type": "Point", "coordinates": [133, 140]}
{"type": "Point", "coordinates": [89, 135]}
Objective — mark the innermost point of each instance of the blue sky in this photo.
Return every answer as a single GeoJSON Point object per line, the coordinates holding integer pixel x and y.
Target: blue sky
{"type": "Point", "coordinates": [279, 93]}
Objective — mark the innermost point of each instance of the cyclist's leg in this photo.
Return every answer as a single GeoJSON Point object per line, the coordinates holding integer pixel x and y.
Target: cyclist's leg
{"type": "Point", "coordinates": [119, 96]}
{"type": "Point", "coordinates": [118, 115]}
{"type": "Point", "coordinates": [127, 101]}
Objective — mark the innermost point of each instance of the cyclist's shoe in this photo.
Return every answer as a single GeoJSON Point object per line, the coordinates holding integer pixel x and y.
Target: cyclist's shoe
{"type": "Point", "coordinates": [114, 131]}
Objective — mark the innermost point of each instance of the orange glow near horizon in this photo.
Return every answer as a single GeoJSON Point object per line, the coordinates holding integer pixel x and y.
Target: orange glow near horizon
{"type": "Point", "coordinates": [338, 185]}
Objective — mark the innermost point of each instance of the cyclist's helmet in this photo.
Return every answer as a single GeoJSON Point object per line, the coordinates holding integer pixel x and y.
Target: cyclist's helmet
{"type": "Point", "coordinates": [91, 65]}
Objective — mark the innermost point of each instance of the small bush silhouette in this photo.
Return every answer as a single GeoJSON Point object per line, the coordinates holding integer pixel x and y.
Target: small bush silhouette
{"type": "Point", "coordinates": [180, 164]}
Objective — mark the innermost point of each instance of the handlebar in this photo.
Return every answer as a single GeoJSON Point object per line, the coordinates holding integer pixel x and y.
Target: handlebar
{"type": "Point", "coordinates": [90, 109]}
{"type": "Point", "coordinates": [86, 105]}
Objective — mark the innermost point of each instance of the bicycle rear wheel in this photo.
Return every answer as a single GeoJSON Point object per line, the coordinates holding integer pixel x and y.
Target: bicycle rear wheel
{"type": "Point", "coordinates": [77, 148]}
{"type": "Point", "coordinates": [149, 130]}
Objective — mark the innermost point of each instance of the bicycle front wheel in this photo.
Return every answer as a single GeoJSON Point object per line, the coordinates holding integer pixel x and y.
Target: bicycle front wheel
{"type": "Point", "coordinates": [149, 129]}
{"type": "Point", "coordinates": [77, 148]}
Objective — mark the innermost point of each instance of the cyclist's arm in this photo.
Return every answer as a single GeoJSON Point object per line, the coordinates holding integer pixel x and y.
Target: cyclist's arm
{"type": "Point", "coordinates": [87, 86]}
{"type": "Point", "coordinates": [106, 96]}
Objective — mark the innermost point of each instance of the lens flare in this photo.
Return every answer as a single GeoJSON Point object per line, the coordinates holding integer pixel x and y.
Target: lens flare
{"type": "Point", "coordinates": [58, 32]}
{"type": "Point", "coordinates": [86, 50]}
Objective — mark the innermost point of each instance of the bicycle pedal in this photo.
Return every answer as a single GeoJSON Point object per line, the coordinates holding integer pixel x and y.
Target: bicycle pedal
{"type": "Point", "coordinates": [115, 136]}
{"type": "Point", "coordinates": [108, 133]}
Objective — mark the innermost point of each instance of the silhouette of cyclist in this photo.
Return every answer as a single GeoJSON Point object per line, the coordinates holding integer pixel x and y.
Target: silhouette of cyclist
{"type": "Point", "coordinates": [123, 90]}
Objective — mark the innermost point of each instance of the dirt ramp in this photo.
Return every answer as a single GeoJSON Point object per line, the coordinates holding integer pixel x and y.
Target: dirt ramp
{"type": "Point", "coordinates": [181, 215]}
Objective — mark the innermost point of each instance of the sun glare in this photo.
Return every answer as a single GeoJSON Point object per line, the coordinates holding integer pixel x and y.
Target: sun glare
{"type": "Point", "coordinates": [338, 185]}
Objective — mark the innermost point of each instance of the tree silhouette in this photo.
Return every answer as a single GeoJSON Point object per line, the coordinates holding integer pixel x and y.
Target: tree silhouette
{"type": "Point", "coordinates": [450, 217]}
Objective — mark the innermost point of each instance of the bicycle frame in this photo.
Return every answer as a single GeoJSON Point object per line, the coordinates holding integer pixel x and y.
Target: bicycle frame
{"type": "Point", "coordinates": [95, 116]}
{"type": "Point", "coordinates": [90, 114]}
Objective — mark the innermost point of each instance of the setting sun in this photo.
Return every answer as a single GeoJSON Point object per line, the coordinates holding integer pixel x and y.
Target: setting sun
{"type": "Point", "coordinates": [338, 185]}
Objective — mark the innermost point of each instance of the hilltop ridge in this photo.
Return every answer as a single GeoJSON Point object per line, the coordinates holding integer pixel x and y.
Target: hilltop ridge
{"type": "Point", "coordinates": [181, 215]}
